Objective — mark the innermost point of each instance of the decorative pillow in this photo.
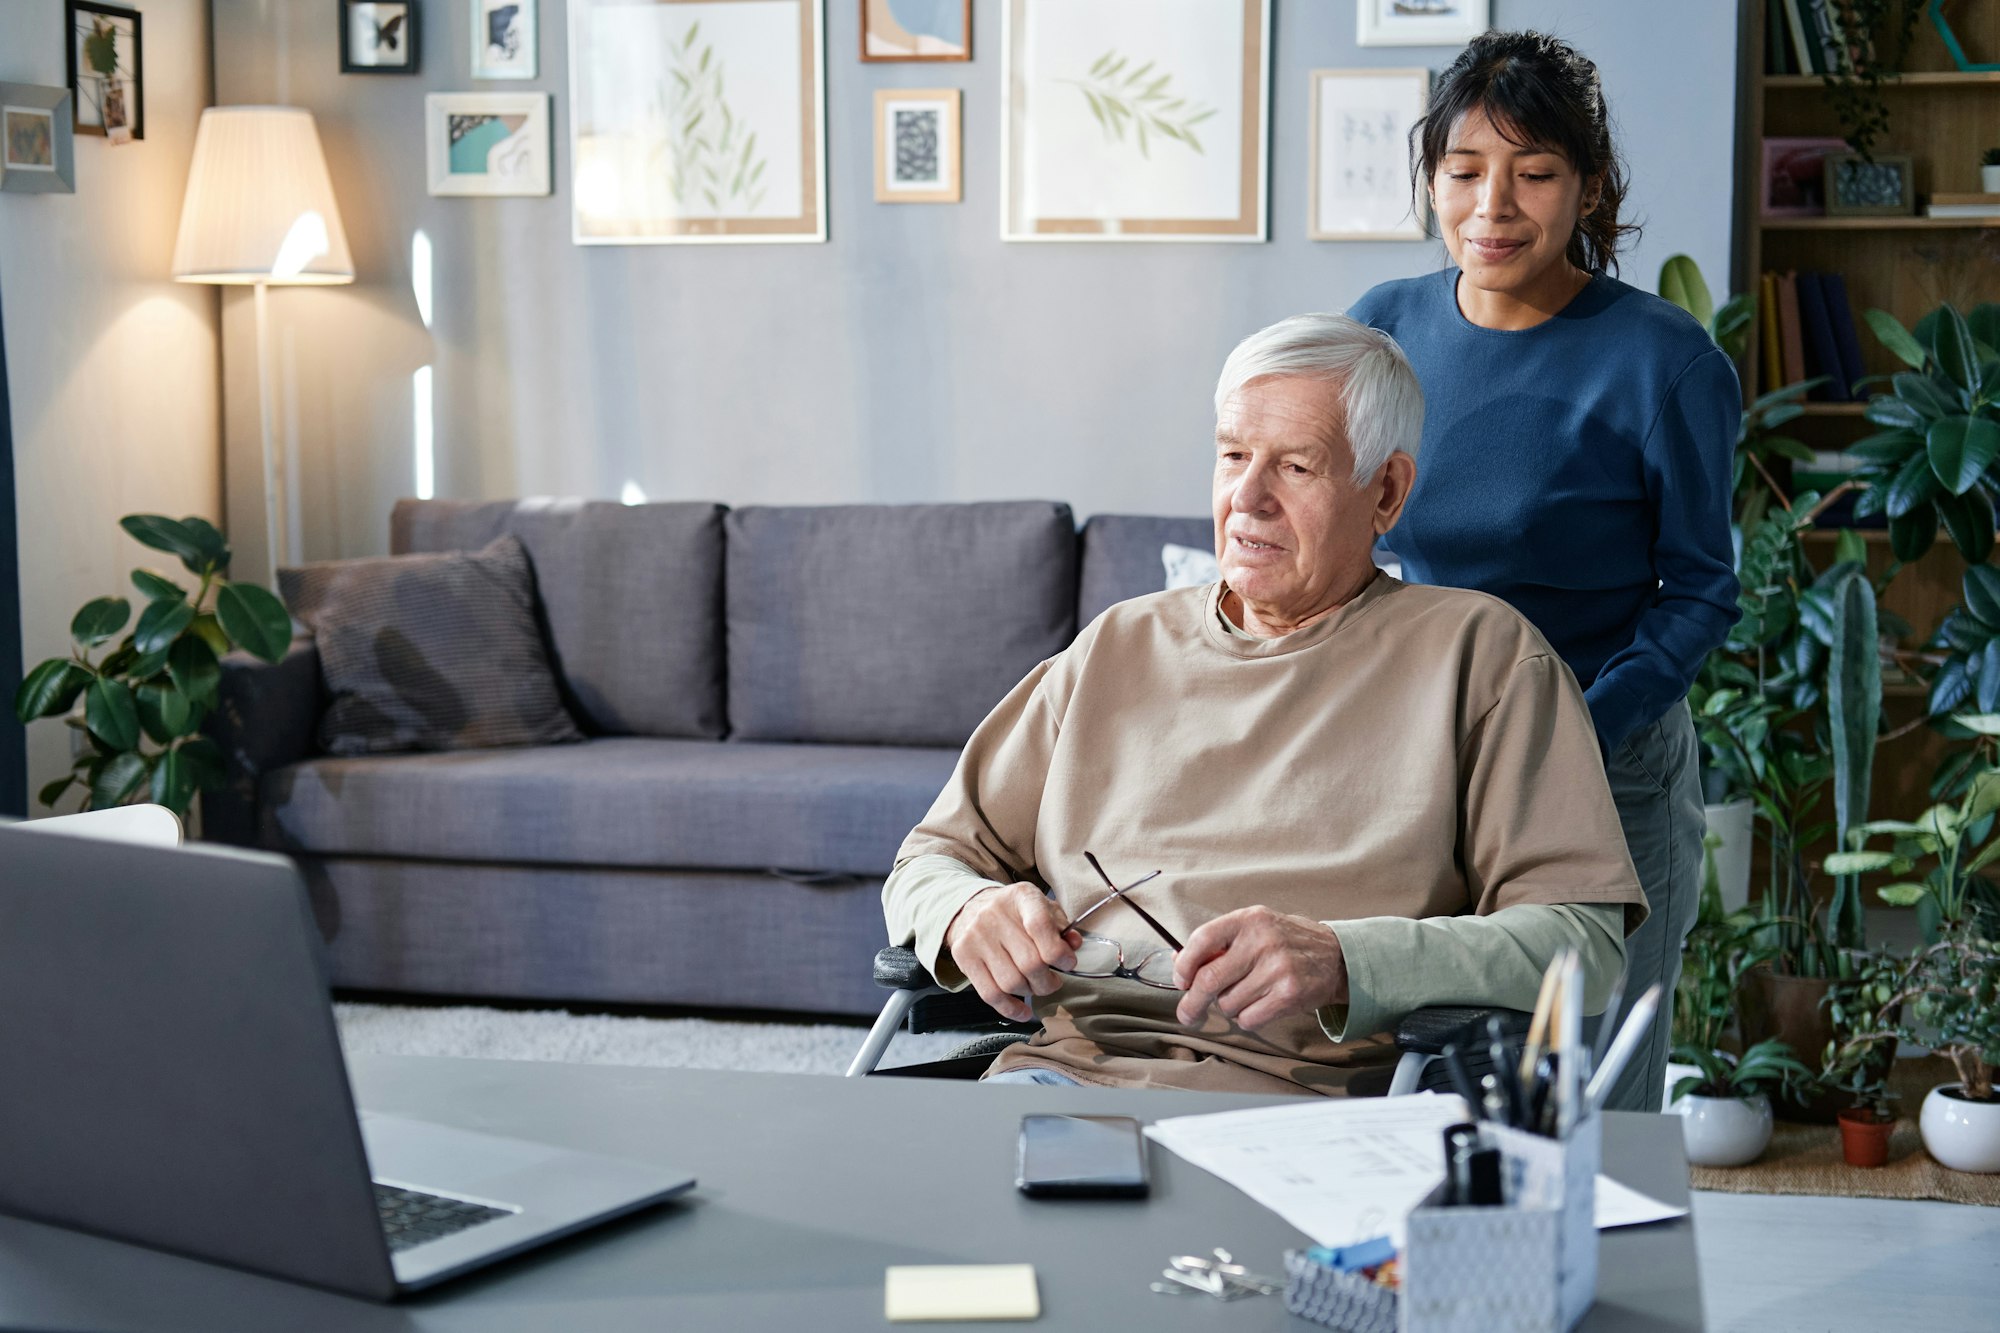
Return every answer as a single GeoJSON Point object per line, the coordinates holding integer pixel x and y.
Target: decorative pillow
{"type": "Point", "coordinates": [430, 652]}
{"type": "Point", "coordinates": [1189, 567]}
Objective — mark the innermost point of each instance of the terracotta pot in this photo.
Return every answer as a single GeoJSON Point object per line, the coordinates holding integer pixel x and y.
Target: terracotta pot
{"type": "Point", "coordinates": [1793, 1010]}
{"type": "Point", "coordinates": [1864, 1140]}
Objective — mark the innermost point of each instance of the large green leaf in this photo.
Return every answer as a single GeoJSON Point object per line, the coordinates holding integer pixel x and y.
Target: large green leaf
{"type": "Point", "coordinates": [117, 780]}
{"type": "Point", "coordinates": [49, 689]}
{"type": "Point", "coordinates": [1986, 678]}
{"type": "Point", "coordinates": [1903, 895]}
{"type": "Point", "coordinates": [53, 791]}
{"type": "Point", "coordinates": [1911, 534]}
{"type": "Point", "coordinates": [1956, 356]}
{"type": "Point", "coordinates": [165, 712]}
{"type": "Point", "coordinates": [173, 782]}
{"type": "Point", "coordinates": [1857, 863]}
{"type": "Point", "coordinates": [214, 547]}
{"type": "Point", "coordinates": [1984, 321]}
{"type": "Point", "coordinates": [210, 630]}
{"type": "Point", "coordinates": [1854, 705]}
{"type": "Point", "coordinates": [1950, 688]}
{"type": "Point", "coordinates": [112, 714]}
{"type": "Point", "coordinates": [1888, 410]}
{"type": "Point", "coordinates": [1896, 338]}
{"type": "Point", "coordinates": [1914, 484]}
{"type": "Point", "coordinates": [1982, 593]}
{"type": "Point", "coordinates": [160, 624]}
{"type": "Point", "coordinates": [203, 758]}
{"type": "Point", "coordinates": [1968, 519]}
{"type": "Point", "coordinates": [1681, 282]}
{"type": "Point", "coordinates": [1930, 398]}
{"type": "Point", "coordinates": [99, 619]}
{"type": "Point", "coordinates": [1961, 449]}
{"type": "Point", "coordinates": [192, 666]}
{"type": "Point", "coordinates": [157, 587]}
{"type": "Point", "coordinates": [169, 535]}
{"type": "Point", "coordinates": [255, 620]}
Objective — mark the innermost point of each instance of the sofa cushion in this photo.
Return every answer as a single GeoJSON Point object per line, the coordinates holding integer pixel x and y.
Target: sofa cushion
{"type": "Point", "coordinates": [430, 652]}
{"type": "Point", "coordinates": [632, 596]}
{"type": "Point", "coordinates": [615, 801]}
{"type": "Point", "coordinates": [891, 624]}
{"type": "Point", "coordinates": [1121, 557]}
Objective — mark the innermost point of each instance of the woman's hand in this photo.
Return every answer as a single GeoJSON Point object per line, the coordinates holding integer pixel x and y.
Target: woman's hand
{"type": "Point", "coordinates": [1256, 966]}
{"type": "Point", "coordinates": [1007, 939]}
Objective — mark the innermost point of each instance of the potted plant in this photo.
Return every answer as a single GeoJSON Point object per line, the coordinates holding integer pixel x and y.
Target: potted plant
{"type": "Point", "coordinates": [1989, 171]}
{"type": "Point", "coordinates": [1857, 1059]}
{"type": "Point", "coordinates": [1725, 1108]}
{"type": "Point", "coordinates": [1876, 38]}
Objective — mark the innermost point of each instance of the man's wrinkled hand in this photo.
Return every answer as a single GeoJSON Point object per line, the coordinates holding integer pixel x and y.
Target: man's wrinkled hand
{"type": "Point", "coordinates": [1007, 939]}
{"type": "Point", "coordinates": [1255, 966]}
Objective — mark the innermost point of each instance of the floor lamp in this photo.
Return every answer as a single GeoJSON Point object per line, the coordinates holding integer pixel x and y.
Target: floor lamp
{"type": "Point", "coordinates": [260, 210]}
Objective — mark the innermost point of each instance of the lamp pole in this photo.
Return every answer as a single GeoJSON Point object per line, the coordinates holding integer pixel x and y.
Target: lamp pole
{"type": "Point", "coordinates": [268, 431]}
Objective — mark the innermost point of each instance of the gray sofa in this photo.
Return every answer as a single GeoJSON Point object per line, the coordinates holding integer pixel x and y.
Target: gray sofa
{"type": "Point", "coordinates": [772, 698]}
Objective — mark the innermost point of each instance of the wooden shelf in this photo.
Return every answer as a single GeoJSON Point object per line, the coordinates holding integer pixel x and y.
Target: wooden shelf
{"type": "Point", "coordinates": [1879, 224]}
{"type": "Point", "coordinates": [1948, 78]}
{"type": "Point", "coordinates": [1834, 409]}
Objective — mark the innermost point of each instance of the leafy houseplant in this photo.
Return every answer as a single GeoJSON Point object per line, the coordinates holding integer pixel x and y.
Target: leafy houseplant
{"type": "Point", "coordinates": [144, 699]}
{"type": "Point", "coordinates": [1878, 34]}
{"type": "Point", "coordinates": [1726, 1106]}
{"type": "Point", "coordinates": [1858, 1055]}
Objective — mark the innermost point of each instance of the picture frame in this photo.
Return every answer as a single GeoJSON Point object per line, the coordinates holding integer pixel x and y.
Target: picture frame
{"type": "Point", "coordinates": [380, 36]}
{"type": "Point", "coordinates": [918, 157]}
{"type": "Point", "coordinates": [750, 168]}
{"type": "Point", "coordinates": [1112, 131]}
{"type": "Point", "coordinates": [487, 143]}
{"type": "Point", "coordinates": [1420, 22]}
{"type": "Point", "coordinates": [37, 143]}
{"type": "Point", "coordinates": [505, 39]}
{"type": "Point", "coordinates": [1359, 179]}
{"type": "Point", "coordinates": [915, 30]}
{"type": "Point", "coordinates": [1856, 187]}
{"type": "Point", "coordinates": [1793, 174]}
{"type": "Point", "coordinates": [107, 70]}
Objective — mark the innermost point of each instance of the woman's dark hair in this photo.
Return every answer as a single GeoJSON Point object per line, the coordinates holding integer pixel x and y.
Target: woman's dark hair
{"type": "Point", "coordinates": [1539, 92]}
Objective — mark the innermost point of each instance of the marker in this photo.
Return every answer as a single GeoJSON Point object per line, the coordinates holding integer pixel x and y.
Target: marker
{"type": "Point", "coordinates": [1630, 1037]}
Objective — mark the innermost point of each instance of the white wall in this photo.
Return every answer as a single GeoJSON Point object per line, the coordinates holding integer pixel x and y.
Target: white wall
{"type": "Point", "coordinates": [112, 366]}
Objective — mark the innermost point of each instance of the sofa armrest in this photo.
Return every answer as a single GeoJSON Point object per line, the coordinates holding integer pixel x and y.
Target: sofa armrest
{"type": "Point", "coordinates": [265, 717]}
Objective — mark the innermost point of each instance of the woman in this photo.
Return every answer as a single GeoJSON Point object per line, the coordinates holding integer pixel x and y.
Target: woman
{"type": "Point", "coordinates": [1576, 449]}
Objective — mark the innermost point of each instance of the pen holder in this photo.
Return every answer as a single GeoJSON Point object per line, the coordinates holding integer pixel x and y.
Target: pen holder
{"type": "Point", "coordinates": [1527, 1267]}
{"type": "Point", "coordinates": [1346, 1301]}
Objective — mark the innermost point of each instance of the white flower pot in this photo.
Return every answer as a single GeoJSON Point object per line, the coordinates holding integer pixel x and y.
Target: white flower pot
{"type": "Point", "coordinates": [1962, 1135]}
{"type": "Point", "coordinates": [1731, 823]}
{"type": "Point", "coordinates": [1724, 1131]}
{"type": "Point", "coordinates": [1989, 180]}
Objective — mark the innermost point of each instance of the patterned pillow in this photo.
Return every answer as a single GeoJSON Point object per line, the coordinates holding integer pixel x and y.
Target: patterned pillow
{"type": "Point", "coordinates": [430, 652]}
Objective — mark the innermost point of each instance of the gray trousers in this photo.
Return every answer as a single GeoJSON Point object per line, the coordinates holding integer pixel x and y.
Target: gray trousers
{"type": "Point", "coordinates": [1658, 791]}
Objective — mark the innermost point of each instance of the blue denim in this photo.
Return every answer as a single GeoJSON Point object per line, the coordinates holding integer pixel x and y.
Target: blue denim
{"type": "Point", "coordinates": [1045, 1076]}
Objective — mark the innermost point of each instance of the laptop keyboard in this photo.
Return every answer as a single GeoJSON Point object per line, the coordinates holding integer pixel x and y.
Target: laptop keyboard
{"type": "Point", "coordinates": [412, 1217]}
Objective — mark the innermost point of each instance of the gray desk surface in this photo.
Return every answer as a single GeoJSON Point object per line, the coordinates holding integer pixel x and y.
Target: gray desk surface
{"type": "Point", "coordinates": [809, 1187]}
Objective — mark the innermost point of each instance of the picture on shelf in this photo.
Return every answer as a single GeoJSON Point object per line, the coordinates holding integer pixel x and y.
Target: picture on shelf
{"type": "Point", "coordinates": [106, 71]}
{"type": "Point", "coordinates": [1360, 168]}
{"type": "Point", "coordinates": [1116, 130]}
{"type": "Point", "coordinates": [917, 146]}
{"type": "Point", "coordinates": [1794, 176]}
{"type": "Point", "coordinates": [487, 143]}
{"type": "Point", "coordinates": [697, 121]}
{"type": "Point", "coordinates": [916, 30]}
{"type": "Point", "coordinates": [37, 154]}
{"type": "Point", "coordinates": [503, 39]}
{"type": "Point", "coordinates": [1881, 188]}
{"type": "Point", "coordinates": [1420, 22]}
{"type": "Point", "coordinates": [378, 36]}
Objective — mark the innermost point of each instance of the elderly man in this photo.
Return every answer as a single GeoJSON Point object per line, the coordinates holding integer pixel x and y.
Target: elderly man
{"type": "Point", "coordinates": [1363, 797]}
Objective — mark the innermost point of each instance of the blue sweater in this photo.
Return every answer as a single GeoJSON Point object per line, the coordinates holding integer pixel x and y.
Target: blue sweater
{"type": "Point", "coordinates": [1579, 470]}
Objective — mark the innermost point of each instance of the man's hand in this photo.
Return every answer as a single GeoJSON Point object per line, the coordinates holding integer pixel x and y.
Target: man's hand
{"type": "Point", "coordinates": [1006, 939]}
{"type": "Point", "coordinates": [1257, 966]}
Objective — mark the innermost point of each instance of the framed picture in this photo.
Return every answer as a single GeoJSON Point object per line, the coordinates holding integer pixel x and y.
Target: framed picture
{"type": "Point", "coordinates": [916, 29]}
{"type": "Point", "coordinates": [378, 36]}
{"type": "Point", "coordinates": [1420, 22]}
{"type": "Point", "coordinates": [697, 121]}
{"type": "Point", "coordinates": [1118, 129]}
{"type": "Point", "coordinates": [1360, 178]}
{"type": "Point", "coordinates": [487, 143]}
{"type": "Point", "coordinates": [1794, 176]}
{"type": "Point", "coordinates": [107, 77]}
{"type": "Point", "coordinates": [917, 146]}
{"type": "Point", "coordinates": [1856, 187]}
{"type": "Point", "coordinates": [37, 152]}
{"type": "Point", "coordinates": [504, 39]}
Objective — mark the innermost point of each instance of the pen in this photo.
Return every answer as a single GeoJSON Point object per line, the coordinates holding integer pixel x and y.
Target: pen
{"type": "Point", "coordinates": [1607, 1024]}
{"type": "Point", "coordinates": [1569, 1081]}
{"type": "Point", "coordinates": [1510, 1085]}
{"type": "Point", "coordinates": [1623, 1046]}
{"type": "Point", "coordinates": [1538, 1027]}
{"type": "Point", "coordinates": [1461, 1081]}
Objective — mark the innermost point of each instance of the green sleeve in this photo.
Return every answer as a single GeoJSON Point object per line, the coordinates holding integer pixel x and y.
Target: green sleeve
{"type": "Point", "coordinates": [919, 899]}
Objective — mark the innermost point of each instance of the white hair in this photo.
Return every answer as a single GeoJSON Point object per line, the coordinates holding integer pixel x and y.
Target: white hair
{"type": "Point", "coordinates": [1381, 405]}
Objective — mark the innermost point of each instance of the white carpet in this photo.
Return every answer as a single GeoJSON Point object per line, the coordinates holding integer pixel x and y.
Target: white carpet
{"type": "Point", "coordinates": [595, 1039]}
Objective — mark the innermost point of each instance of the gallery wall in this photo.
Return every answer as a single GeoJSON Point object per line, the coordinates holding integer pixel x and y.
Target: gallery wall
{"type": "Point", "coordinates": [112, 367]}
{"type": "Point", "coordinates": [913, 357]}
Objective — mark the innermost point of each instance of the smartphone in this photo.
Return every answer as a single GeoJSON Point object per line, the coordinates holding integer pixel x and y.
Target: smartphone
{"type": "Point", "coordinates": [1082, 1157]}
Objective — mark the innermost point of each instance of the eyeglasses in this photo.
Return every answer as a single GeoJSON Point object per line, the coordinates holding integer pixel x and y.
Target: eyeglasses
{"type": "Point", "coordinates": [1101, 957]}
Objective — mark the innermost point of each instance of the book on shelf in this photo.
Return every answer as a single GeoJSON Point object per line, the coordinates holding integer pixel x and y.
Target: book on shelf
{"type": "Point", "coordinates": [1964, 206]}
{"type": "Point", "coordinates": [1846, 338]}
{"type": "Point", "coordinates": [1822, 355]}
{"type": "Point", "coordinates": [1806, 323]}
{"type": "Point", "coordinates": [1777, 40]}
{"type": "Point", "coordinates": [1823, 31]}
{"type": "Point", "coordinates": [1791, 338]}
{"type": "Point", "coordinates": [1796, 28]}
{"type": "Point", "coordinates": [1767, 323]}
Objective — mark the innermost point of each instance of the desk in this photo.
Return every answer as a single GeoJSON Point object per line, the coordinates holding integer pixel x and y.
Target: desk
{"type": "Point", "coordinates": [809, 1187]}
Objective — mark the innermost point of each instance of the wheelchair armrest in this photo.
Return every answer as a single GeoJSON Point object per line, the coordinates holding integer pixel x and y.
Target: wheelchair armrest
{"type": "Point", "coordinates": [1429, 1030]}
{"type": "Point", "coordinates": [897, 968]}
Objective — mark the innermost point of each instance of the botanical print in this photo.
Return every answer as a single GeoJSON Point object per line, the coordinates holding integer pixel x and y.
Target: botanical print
{"type": "Point", "coordinates": [1142, 99]}
{"type": "Point", "coordinates": [1360, 167]}
{"type": "Point", "coordinates": [916, 30]}
{"type": "Point", "coordinates": [710, 156]}
{"type": "Point", "coordinates": [105, 72]}
{"type": "Point", "coordinates": [917, 161]}
{"type": "Point", "coordinates": [29, 138]}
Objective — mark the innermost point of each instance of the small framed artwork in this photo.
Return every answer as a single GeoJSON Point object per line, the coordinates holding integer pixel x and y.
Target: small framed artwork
{"type": "Point", "coordinates": [1794, 176]}
{"type": "Point", "coordinates": [1360, 178]}
{"type": "Point", "coordinates": [1856, 187]}
{"type": "Point", "coordinates": [504, 39]}
{"type": "Point", "coordinates": [107, 76]}
{"type": "Point", "coordinates": [37, 152]}
{"type": "Point", "coordinates": [487, 143]}
{"type": "Point", "coordinates": [916, 146]}
{"type": "Point", "coordinates": [916, 29]}
{"type": "Point", "coordinates": [1420, 22]}
{"type": "Point", "coordinates": [378, 36]}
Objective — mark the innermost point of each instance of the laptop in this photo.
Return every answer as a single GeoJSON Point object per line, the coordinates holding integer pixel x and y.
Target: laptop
{"type": "Point", "coordinates": [173, 1077]}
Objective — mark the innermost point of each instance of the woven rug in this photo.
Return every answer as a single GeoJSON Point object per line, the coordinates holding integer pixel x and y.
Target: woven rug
{"type": "Point", "coordinates": [1805, 1159]}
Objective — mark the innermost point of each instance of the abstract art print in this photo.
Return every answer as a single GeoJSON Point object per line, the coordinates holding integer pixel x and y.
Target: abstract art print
{"type": "Point", "coordinates": [1360, 179]}
{"type": "Point", "coordinates": [916, 29]}
{"type": "Point", "coordinates": [917, 146]}
{"type": "Point", "coordinates": [37, 154]}
{"type": "Point", "coordinates": [487, 143]}
{"type": "Point", "coordinates": [106, 71]}
{"type": "Point", "coordinates": [378, 36]}
{"type": "Point", "coordinates": [1420, 22]}
{"type": "Point", "coordinates": [1134, 120]}
{"type": "Point", "coordinates": [697, 121]}
{"type": "Point", "coordinates": [504, 39]}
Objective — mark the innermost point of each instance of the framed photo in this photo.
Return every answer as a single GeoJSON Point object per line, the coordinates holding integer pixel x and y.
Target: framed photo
{"type": "Point", "coordinates": [916, 29]}
{"type": "Point", "coordinates": [1420, 22]}
{"type": "Point", "coordinates": [1360, 178]}
{"type": "Point", "coordinates": [917, 146]}
{"type": "Point", "coordinates": [504, 39]}
{"type": "Point", "coordinates": [1126, 122]}
{"type": "Point", "coordinates": [378, 36]}
{"type": "Point", "coordinates": [1794, 176]}
{"type": "Point", "coordinates": [1856, 187]}
{"type": "Point", "coordinates": [487, 143]}
{"type": "Point", "coordinates": [107, 77]}
{"type": "Point", "coordinates": [697, 121]}
{"type": "Point", "coordinates": [37, 152]}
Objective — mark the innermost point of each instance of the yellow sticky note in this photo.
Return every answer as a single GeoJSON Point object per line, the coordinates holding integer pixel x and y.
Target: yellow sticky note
{"type": "Point", "coordinates": [963, 1291]}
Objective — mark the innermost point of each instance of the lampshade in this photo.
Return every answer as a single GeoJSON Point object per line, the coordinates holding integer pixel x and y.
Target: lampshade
{"type": "Point", "coordinates": [259, 204]}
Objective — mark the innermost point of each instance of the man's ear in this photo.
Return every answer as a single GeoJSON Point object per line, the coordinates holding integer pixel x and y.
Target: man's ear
{"type": "Point", "coordinates": [1398, 475]}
